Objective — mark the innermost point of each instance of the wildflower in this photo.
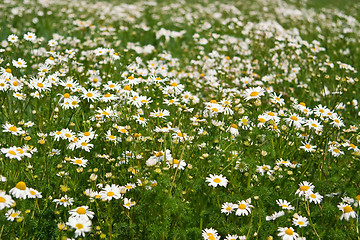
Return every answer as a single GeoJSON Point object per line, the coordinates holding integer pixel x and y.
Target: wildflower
{"type": "Point", "coordinates": [210, 234]}
{"type": "Point", "coordinates": [5, 200]}
{"type": "Point", "coordinates": [277, 99]}
{"type": "Point", "coordinates": [20, 190]}
{"type": "Point", "coordinates": [314, 124]}
{"type": "Point", "coordinates": [33, 193]}
{"type": "Point", "coordinates": [287, 233]}
{"type": "Point", "coordinates": [177, 164]}
{"type": "Point", "coordinates": [29, 36]}
{"type": "Point", "coordinates": [347, 211]}
{"type": "Point", "coordinates": [308, 147]}
{"type": "Point", "coordinates": [244, 122]}
{"type": "Point", "coordinates": [313, 197]}
{"type": "Point", "coordinates": [110, 192]}
{"type": "Point", "coordinates": [160, 114]}
{"type": "Point", "coordinates": [140, 120]}
{"type": "Point", "coordinates": [243, 208]}
{"type": "Point", "coordinates": [275, 215]}
{"type": "Point", "coordinates": [295, 120]}
{"type": "Point", "coordinates": [284, 204]}
{"type": "Point", "coordinates": [304, 188]}
{"type": "Point", "coordinates": [20, 63]}
{"type": "Point", "coordinates": [300, 221]}
{"type": "Point", "coordinates": [128, 203]}
{"type": "Point", "coordinates": [82, 211]}
{"type": "Point", "coordinates": [79, 161]}
{"type": "Point", "coordinates": [233, 129]}
{"type": "Point", "coordinates": [253, 93]}
{"type": "Point", "coordinates": [215, 180]}
{"type": "Point", "coordinates": [81, 225]}
{"type": "Point", "coordinates": [335, 151]}
{"type": "Point", "coordinates": [264, 169]}
{"type": "Point", "coordinates": [13, 129]}
{"type": "Point", "coordinates": [64, 201]}
{"type": "Point", "coordinates": [228, 207]}
{"type": "Point", "coordinates": [13, 38]}
{"type": "Point", "coordinates": [11, 214]}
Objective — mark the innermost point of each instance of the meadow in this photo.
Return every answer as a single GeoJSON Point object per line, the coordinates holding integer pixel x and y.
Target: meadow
{"type": "Point", "coordinates": [179, 120]}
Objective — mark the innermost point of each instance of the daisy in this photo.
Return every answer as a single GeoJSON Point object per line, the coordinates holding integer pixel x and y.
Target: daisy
{"type": "Point", "coordinates": [20, 63]}
{"type": "Point", "coordinates": [140, 120]}
{"type": "Point", "coordinates": [308, 147]}
{"type": "Point", "coordinates": [33, 193]}
{"type": "Point", "coordinates": [313, 197]}
{"type": "Point", "coordinates": [210, 234]}
{"type": "Point", "coordinates": [110, 192]}
{"type": "Point", "coordinates": [314, 124]}
{"type": "Point", "coordinates": [228, 208]}
{"type": "Point", "coordinates": [275, 215]}
{"type": "Point", "coordinates": [347, 211]}
{"type": "Point", "coordinates": [5, 201]}
{"type": "Point", "coordinates": [287, 233]}
{"type": "Point", "coordinates": [304, 188]}
{"type": "Point", "coordinates": [128, 203]}
{"type": "Point", "coordinates": [29, 36]}
{"type": "Point", "coordinates": [244, 122]}
{"type": "Point", "coordinates": [11, 214]}
{"type": "Point", "coordinates": [90, 95]}
{"type": "Point", "coordinates": [160, 114]}
{"type": "Point", "coordinates": [13, 38]}
{"type": "Point", "coordinates": [177, 164]}
{"type": "Point", "coordinates": [253, 93]}
{"type": "Point", "coordinates": [20, 190]}
{"type": "Point", "coordinates": [264, 169]}
{"type": "Point", "coordinates": [84, 144]}
{"type": "Point", "coordinates": [79, 161]}
{"type": "Point", "coordinates": [64, 201]}
{"type": "Point", "coordinates": [233, 237]}
{"type": "Point", "coordinates": [277, 99]}
{"type": "Point", "coordinates": [233, 129]}
{"type": "Point", "coordinates": [335, 151]}
{"type": "Point", "coordinates": [295, 120]}
{"type": "Point", "coordinates": [82, 211]}
{"type": "Point", "coordinates": [17, 131]}
{"type": "Point", "coordinates": [337, 122]}
{"type": "Point", "coordinates": [215, 180]}
{"type": "Point", "coordinates": [300, 221]}
{"type": "Point", "coordinates": [284, 204]}
{"type": "Point", "coordinates": [111, 137]}
{"type": "Point", "coordinates": [81, 225]}
{"type": "Point", "coordinates": [243, 208]}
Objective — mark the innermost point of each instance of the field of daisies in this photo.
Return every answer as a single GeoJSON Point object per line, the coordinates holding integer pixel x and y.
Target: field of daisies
{"type": "Point", "coordinates": [160, 120]}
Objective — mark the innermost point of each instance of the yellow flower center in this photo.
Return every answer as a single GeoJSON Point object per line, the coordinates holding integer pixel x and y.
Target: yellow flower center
{"type": "Point", "coordinates": [180, 134]}
{"type": "Point", "coordinates": [78, 161]}
{"type": "Point", "coordinates": [2, 200]}
{"type": "Point", "coordinates": [14, 215]}
{"type": "Point", "coordinates": [234, 126]}
{"type": "Point", "coordinates": [312, 195]}
{"type": "Point", "coordinates": [40, 84]}
{"type": "Point", "coordinates": [123, 130]}
{"type": "Point", "coordinates": [347, 209]}
{"type": "Point", "coordinates": [217, 180]}
{"type": "Point", "coordinates": [89, 94]}
{"type": "Point", "coordinates": [13, 129]}
{"type": "Point", "coordinates": [81, 210]}
{"type": "Point", "coordinates": [242, 206]}
{"type": "Point", "coordinates": [84, 144]}
{"type": "Point", "coordinates": [79, 226]}
{"type": "Point", "coordinates": [304, 188]}
{"type": "Point", "coordinates": [254, 94]}
{"type": "Point", "coordinates": [110, 194]}
{"type": "Point", "coordinates": [66, 95]}
{"type": "Point", "coordinates": [32, 192]}
{"type": "Point", "coordinates": [86, 134]}
{"type": "Point", "coordinates": [174, 84]}
{"type": "Point", "coordinates": [21, 185]}
{"type": "Point", "coordinates": [301, 223]}
{"type": "Point", "coordinates": [289, 232]}
{"type": "Point", "coordinates": [308, 146]}
{"type": "Point", "coordinates": [127, 88]}
{"type": "Point", "coordinates": [228, 209]}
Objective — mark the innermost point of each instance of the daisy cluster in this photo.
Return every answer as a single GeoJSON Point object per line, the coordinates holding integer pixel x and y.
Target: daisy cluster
{"type": "Point", "coordinates": [179, 120]}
